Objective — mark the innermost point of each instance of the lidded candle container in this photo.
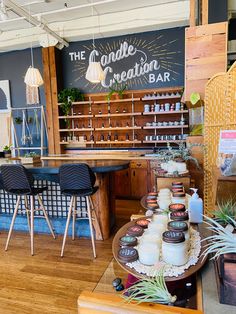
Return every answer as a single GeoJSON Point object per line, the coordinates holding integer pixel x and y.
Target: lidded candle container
{"type": "Point", "coordinates": [179, 216]}
{"type": "Point", "coordinates": [149, 254]}
{"type": "Point", "coordinates": [180, 226]}
{"type": "Point", "coordinates": [179, 198]}
{"type": "Point", "coordinates": [156, 228]}
{"type": "Point", "coordinates": [147, 238]}
{"type": "Point", "coordinates": [177, 184]}
{"type": "Point", "coordinates": [174, 248]}
{"type": "Point", "coordinates": [160, 218]}
{"type": "Point", "coordinates": [177, 207]}
{"type": "Point", "coordinates": [164, 198]}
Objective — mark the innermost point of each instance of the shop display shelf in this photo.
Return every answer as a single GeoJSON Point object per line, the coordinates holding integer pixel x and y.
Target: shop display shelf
{"type": "Point", "coordinates": [87, 102]}
{"type": "Point", "coordinates": [160, 97]}
{"type": "Point", "coordinates": [76, 129]}
{"type": "Point", "coordinates": [164, 112]}
{"type": "Point", "coordinates": [118, 114]}
{"type": "Point", "coordinates": [118, 142]}
{"type": "Point", "coordinates": [116, 101]}
{"type": "Point", "coordinates": [119, 128]}
{"type": "Point", "coordinates": [165, 127]}
{"type": "Point", "coordinates": [76, 116]}
{"type": "Point", "coordinates": [165, 141]}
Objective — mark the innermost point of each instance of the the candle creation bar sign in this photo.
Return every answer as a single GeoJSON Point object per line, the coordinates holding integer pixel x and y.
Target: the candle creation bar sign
{"type": "Point", "coordinates": [145, 60]}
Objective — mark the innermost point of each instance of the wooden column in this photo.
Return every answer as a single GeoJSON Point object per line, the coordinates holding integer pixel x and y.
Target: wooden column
{"type": "Point", "coordinates": [50, 82]}
{"type": "Point", "coordinates": [204, 12]}
{"type": "Point", "coordinates": [193, 13]}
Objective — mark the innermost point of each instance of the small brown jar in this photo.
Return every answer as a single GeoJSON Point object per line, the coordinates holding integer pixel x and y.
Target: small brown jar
{"type": "Point", "coordinates": [177, 207]}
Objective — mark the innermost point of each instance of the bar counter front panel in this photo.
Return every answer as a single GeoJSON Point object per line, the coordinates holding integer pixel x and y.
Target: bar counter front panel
{"type": "Point", "coordinates": [46, 174]}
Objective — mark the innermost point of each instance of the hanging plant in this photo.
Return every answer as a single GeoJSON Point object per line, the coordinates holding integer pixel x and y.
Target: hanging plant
{"type": "Point", "coordinates": [18, 120]}
{"type": "Point", "coordinates": [66, 97]}
{"type": "Point", "coordinates": [152, 290]}
{"type": "Point", "coordinates": [118, 89]}
{"type": "Point", "coordinates": [30, 120]}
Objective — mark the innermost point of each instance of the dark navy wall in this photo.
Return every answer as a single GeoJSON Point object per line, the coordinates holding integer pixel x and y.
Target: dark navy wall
{"type": "Point", "coordinates": [13, 66]}
{"type": "Point", "coordinates": [163, 48]}
{"type": "Point", "coordinates": [218, 11]}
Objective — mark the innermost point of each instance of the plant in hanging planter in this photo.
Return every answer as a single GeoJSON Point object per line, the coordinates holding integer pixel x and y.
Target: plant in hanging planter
{"type": "Point", "coordinates": [7, 151]}
{"type": "Point", "coordinates": [18, 120]}
{"type": "Point", "coordinates": [151, 289]}
{"type": "Point", "coordinates": [30, 120]}
{"type": "Point", "coordinates": [226, 212]}
{"type": "Point", "coordinates": [118, 89]}
{"type": "Point", "coordinates": [196, 114]}
{"type": "Point", "coordinates": [222, 241]}
{"type": "Point", "coordinates": [66, 97]}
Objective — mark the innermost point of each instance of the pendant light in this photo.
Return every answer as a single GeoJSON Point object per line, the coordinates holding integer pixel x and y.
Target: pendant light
{"type": "Point", "coordinates": [94, 73]}
{"type": "Point", "coordinates": [33, 77]}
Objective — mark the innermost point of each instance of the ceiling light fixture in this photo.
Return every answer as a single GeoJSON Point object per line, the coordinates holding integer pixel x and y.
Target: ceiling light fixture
{"type": "Point", "coordinates": [3, 11]}
{"type": "Point", "coordinates": [33, 77]}
{"type": "Point", "coordinates": [94, 73]}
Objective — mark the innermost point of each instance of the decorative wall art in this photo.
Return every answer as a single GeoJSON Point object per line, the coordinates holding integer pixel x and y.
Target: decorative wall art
{"type": "Point", "coordinates": [141, 61]}
{"type": "Point", "coordinates": [5, 99]}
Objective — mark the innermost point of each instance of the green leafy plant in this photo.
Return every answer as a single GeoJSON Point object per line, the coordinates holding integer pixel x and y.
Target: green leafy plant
{"type": "Point", "coordinates": [30, 120]}
{"type": "Point", "coordinates": [226, 212]}
{"type": "Point", "coordinates": [66, 97]}
{"type": "Point", "coordinates": [116, 88]}
{"type": "Point", "coordinates": [7, 148]}
{"type": "Point", "coordinates": [150, 290]}
{"type": "Point", "coordinates": [222, 241]}
{"type": "Point", "coordinates": [18, 120]}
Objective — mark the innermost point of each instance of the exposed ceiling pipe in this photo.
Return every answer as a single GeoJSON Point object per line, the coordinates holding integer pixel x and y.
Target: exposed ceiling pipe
{"type": "Point", "coordinates": [23, 13]}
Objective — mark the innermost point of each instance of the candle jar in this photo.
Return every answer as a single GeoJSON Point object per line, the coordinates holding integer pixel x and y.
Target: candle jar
{"type": "Point", "coordinates": [147, 238]}
{"type": "Point", "coordinates": [149, 254]}
{"type": "Point", "coordinates": [174, 248]}
{"type": "Point", "coordinates": [160, 218]}
{"type": "Point", "coordinates": [180, 216]}
{"type": "Point", "coordinates": [156, 228]}
{"type": "Point", "coordinates": [180, 226]}
{"type": "Point", "coordinates": [181, 166]}
{"type": "Point", "coordinates": [164, 203]}
{"type": "Point", "coordinates": [179, 198]}
{"type": "Point", "coordinates": [177, 207]}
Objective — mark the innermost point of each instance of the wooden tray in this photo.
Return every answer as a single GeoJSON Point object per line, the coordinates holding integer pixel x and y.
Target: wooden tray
{"type": "Point", "coordinates": [115, 248]}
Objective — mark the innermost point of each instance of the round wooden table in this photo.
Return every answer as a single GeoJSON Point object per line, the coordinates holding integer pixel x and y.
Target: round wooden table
{"type": "Point", "coordinates": [115, 248]}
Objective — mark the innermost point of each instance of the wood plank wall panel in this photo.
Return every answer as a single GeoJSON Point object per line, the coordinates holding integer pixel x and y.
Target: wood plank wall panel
{"type": "Point", "coordinates": [205, 55]}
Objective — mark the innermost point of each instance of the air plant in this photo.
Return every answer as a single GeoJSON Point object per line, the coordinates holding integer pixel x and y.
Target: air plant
{"type": "Point", "coordinates": [151, 289]}
{"type": "Point", "coordinates": [223, 241]}
{"type": "Point", "coordinates": [183, 152]}
{"type": "Point", "coordinates": [226, 212]}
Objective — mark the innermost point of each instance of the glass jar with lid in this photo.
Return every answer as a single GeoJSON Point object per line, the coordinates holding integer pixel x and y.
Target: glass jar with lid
{"type": "Point", "coordinates": [178, 198]}
{"type": "Point", "coordinates": [174, 248]}
{"type": "Point", "coordinates": [180, 226]}
{"type": "Point", "coordinates": [179, 216]}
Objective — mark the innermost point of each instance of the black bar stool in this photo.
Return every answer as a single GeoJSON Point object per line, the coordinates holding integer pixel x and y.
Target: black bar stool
{"type": "Point", "coordinates": [77, 180]}
{"type": "Point", "coordinates": [18, 181]}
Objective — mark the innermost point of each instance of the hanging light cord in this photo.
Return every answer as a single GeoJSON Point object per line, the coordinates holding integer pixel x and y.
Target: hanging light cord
{"type": "Point", "coordinates": [31, 44]}
{"type": "Point", "coordinates": [93, 25]}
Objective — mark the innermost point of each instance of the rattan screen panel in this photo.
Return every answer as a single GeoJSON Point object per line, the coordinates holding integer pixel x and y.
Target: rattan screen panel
{"type": "Point", "coordinates": [220, 114]}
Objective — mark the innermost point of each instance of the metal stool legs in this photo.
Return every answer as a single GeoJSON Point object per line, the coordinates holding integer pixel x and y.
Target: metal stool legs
{"type": "Point", "coordinates": [91, 224]}
{"type": "Point", "coordinates": [46, 216]}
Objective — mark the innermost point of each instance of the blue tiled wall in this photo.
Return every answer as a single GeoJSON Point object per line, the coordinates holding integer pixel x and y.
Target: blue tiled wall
{"type": "Point", "coordinates": [40, 225]}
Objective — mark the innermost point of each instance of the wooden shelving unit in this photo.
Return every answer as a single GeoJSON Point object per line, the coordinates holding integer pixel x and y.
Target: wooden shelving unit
{"type": "Point", "coordinates": [108, 121]}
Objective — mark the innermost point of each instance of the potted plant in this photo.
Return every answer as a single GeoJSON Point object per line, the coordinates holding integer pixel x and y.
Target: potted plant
{"type": "Point", "coordinates": [153, 290]}
{"type": "Point", "coordinates": [18, 120]}
{"type": "Point", "coordinates": [117, 89]}
{"type": "Point", "coordinates": [225, 213]}
{"type": "Point", "coordinates": [7, 151]}
{"type": "Point", "coordinates": [66, 97]}
{"type": "Point", "coordinates": [30, 158]}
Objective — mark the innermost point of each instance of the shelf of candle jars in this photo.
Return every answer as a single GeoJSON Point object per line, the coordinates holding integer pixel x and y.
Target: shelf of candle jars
{"type": "Point", "coordinates": [163, 141]}
{"type": "Point", "coordinates": [74, 143]}
{"type": "Point", "coordinates": [86, 102]}
{"type": "Point", "coordinates": [119, 128]}
{"type": "Point", "coordinates": [77, 129]}
{"type": "Point", "coordinates": [77, 116]}
{"type": "Point", "coordinates": [163, 112]}
{"type": "Point", "coordinates": [161, 97]}
{"type": "Point", "coordinates": [116, 100]}
{"type": "Point", "coordinates": [165, 127]}
{"type": "Point", "coordinates": [110, 115]}
{"type": "Point", "coordinates": [120, 142]}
